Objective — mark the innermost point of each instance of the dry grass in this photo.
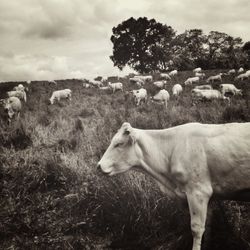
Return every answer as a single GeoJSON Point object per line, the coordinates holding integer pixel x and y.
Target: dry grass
{"type": "Point", "coordinates": [51, 196]}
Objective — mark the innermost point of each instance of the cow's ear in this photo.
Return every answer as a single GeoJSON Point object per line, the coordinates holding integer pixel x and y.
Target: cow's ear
{"type": "Point", "coordinates": [126, 128]}
{"type": "Point", "coordinates": [128, 131]}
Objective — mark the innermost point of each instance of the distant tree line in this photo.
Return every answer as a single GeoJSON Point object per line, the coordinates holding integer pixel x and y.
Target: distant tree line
{"type": "Point", "coordinates": [147, 46]}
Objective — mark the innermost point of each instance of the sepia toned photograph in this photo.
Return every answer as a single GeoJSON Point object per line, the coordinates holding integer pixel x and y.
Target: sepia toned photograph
{"type": "Point", "coordinates": [124, 125]}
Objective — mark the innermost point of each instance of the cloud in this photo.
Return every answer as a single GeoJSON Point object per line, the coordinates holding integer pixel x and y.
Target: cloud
{"type": "Point", "coordinates": [53, 39]}
{"type": "Point", "coordinates": [35, 67]}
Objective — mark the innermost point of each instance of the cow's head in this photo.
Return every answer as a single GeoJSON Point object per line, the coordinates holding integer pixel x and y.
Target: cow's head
{"type": "Point", "coordinates": [51, 100]}
{"type": "Point", "coordinates": [122, 153]}
{"type": "Point", "coordinates": [8, 108]}
{"type": "Point", "coordinates": [239, 92]}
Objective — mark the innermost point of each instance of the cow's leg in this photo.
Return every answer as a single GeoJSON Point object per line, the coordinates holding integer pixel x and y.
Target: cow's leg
{"type": "Point", "coordinates": [198, 203]}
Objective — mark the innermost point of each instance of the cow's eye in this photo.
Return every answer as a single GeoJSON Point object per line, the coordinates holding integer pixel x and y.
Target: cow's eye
{"type": "Point", "coordinates": [117, 145]}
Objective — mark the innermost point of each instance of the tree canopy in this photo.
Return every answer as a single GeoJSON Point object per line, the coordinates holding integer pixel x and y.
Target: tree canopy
{"type": "Point", "coordinates": [147, 45]}
{"type": "Point", "coordinates": [139, 44]}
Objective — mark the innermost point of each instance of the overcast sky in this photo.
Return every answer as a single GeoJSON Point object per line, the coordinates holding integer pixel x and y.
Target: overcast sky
{"type": "Point", "coordinates": [57, 39]}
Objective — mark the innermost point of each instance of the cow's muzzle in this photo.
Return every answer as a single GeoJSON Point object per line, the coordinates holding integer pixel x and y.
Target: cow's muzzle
{"type": "Point", "coordinates": [100, 171]}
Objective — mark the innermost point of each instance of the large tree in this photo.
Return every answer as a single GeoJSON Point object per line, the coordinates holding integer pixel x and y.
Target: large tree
{"type": "Point", "coordinates": [188, 49]}
{"type": "Point", "coordinates": [141, 44]}
{"type": "Point", "coordinates": [224, 51]}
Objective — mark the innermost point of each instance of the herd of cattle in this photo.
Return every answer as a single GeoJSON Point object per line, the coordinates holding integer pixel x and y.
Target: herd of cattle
{"type": "Point", "coordinates": [200, 92]}
{"type": "Point", "coordinates": [12, 104]}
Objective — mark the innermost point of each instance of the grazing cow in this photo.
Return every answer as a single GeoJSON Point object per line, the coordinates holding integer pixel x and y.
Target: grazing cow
{"type": "Point", "coordinates": [240, 70]}
{"type": "Point", "coordinates": [138, 81]}
{"type": "Point", "coordinates": [12, 107]}
{"type": "Point", "coordinates": [165, 76]}
{"type": "Point", "coordinates": [60, 94]}
{"type": "Point", "coordinates": [197, 70]}
{"type": "Point", "coordinates": [231, 72]}
{"type": "Point", "coordinates": [52, 81]}
{"type": "Point", "coordinates": [192, 80]}
{"type": "Point", "coordinates": [247, 73]}
{"type": "Point", "coordinates": [214, 78]}
{"type": "Point", "coordinates": [176, 90]}
{"type": "Point", "coordinates": [230, 88]}
{"type": "Point", "coordinates": [18, 93]}
{"type": "Point", "coordinates": [115, 86]}
{"type": "Point", "coordinates": [242, 76]}
{"type": "Point", "coordinates": [160, 84]}
{"type": "Point", "coordinates": [19, 87]}
{"type": "Point", "coordinates": [145, 78]}
{"type": "Point", "coordinates": [201, 75]}
{"type": "Point", "coordinates": [86, 85]}
{"type": "Point", "coordinates": [162, 97]}
{"type": "Point", "coordinates": [205, 86]}
{"type": "Point", "coordinates": [192, 161]}
{"type": "Point", "coordinates": [208, 94]}
{"type": "Point", "coordinates": [139, 95]}
{"type": "Point", "coordinates": [96, 84]}
{"type": "Point", "coordinates": [173, 73]}
{"type": "Point", "coordinates": [28, 82]}
{"type": "Point", "coordinates": [104, 79]}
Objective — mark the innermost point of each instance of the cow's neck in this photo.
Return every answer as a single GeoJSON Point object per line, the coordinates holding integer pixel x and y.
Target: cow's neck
{"type": "Point", "coordinates": [156, 148]}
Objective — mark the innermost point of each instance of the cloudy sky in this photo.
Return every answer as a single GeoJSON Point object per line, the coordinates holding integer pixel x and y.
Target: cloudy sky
{"type": "Point", "coordinates": [57, 39]}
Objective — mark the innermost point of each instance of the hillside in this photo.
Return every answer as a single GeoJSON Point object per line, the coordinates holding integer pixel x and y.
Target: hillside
{"type": "Point", "coordinates": [53, 198]}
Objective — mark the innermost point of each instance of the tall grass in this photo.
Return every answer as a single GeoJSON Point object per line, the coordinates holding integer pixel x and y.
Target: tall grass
{"type": "Point", "coordinates": [53, 198]}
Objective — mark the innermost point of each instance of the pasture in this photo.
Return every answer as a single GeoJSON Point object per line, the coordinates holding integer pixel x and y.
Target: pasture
{"type": "Point", "coordinates": [53, 198]}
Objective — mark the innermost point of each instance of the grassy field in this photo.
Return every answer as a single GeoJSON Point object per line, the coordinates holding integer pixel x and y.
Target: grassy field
{"type": "Point", "coordinates": [51, 196]}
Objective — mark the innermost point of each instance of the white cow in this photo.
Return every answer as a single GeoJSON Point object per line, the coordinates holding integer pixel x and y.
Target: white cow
{"type": "Point", "coordinates": [52, 81]}
{"type": "Point", "coordinates": [12, 107]}
{"type": "Point", "coordinates": [138, 81]}
{"type": "Point", "coordinates": [160, 84]}
{"type": "Point", "coordinates": [18, 93]}
{"type": "Point", "coordinates": [19, 87]}
{"type": "Point", "coordinates": [86, 85]}
{"type": "Point", "coordinates": [176, 90]}
{"type": "Point", "coordinates": [201, 75]}
{"type": "Point", "coordinates": [165, 76]}
{"type": "Point", "coordinates": [242, 76]}
{"type": "Point", "coordinates": [192, 80]}
{"type": "Point", "coordinates": [205, 86]}
{"type": "Point", "coordinates": [115, 86]}
{"type": "Point", "coordinates": [162, 97]}
{"type": "Point", "coordinates": [60, 94]}
{"type": "Point", "coordinates": [139, 95]}
{"type": "Point", "coordinates": [231, 72]}
{"type": "Point", "coordinates": [104, 79]}
{"type": "Point", "coordinates": [197, 70]}
{"type": "Point", "coordinates": [192, 161]}
{"type": "Point", "coordinates": [214, 78]}
{"type": "Point", "coordinates": [96, 84]}
{"type": "Point", "coordinates": [240, 70]}
{"type": "Point", "coordinates": [145, 78]}
{"type": "Point", "coordinates": [247, 73]}
{"type": "Point", "coordinates": [208, 94]}
{"type": "Point", "coordinates": [230, 88]}
{"type": "Point", "coordinates": [173, 73]}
